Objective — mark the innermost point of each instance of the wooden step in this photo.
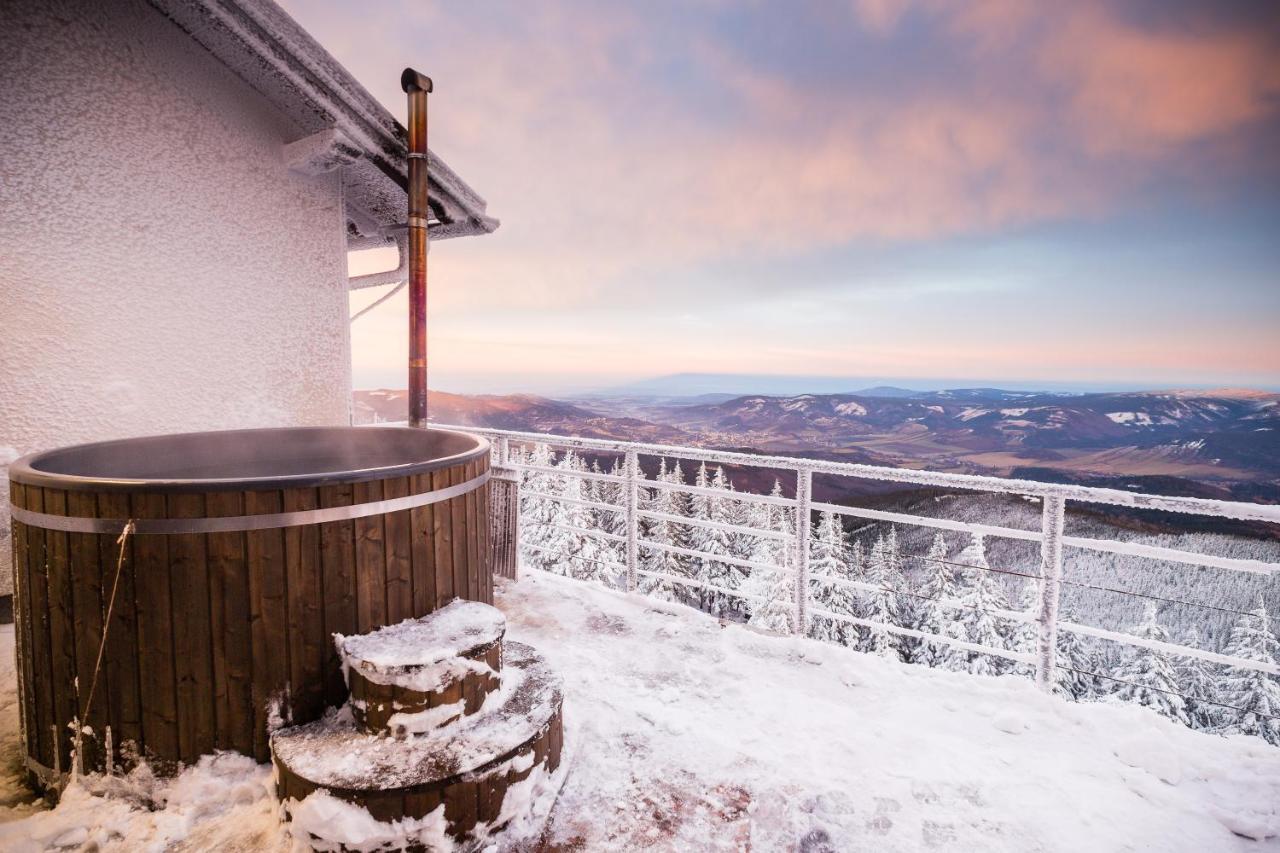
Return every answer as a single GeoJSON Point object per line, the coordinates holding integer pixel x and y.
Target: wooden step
{"type": "Point", "coordinates": [422, 674]}
{"type": "Point", "coordinates": [458, 786]}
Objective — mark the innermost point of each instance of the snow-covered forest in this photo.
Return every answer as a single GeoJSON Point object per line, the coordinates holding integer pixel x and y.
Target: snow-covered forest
{"type": "Point", "coordinates": [867, 580]}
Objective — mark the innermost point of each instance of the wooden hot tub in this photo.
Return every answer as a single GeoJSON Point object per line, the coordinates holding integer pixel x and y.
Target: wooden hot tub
{"type": "Point", "coordinates": [251, 549]}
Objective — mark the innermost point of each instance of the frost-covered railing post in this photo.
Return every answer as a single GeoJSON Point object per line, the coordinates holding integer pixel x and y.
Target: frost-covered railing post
{"type": "Point", "coordinates": [804, 496]}
{"type": "Point", "coordinates": [1051, 525]}
{"type": "Point", "coordinates": [632, 468]}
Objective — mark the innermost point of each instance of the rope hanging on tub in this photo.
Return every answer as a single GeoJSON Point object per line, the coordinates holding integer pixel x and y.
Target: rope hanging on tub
{"type": "Point", "coordinates": [80, 724]}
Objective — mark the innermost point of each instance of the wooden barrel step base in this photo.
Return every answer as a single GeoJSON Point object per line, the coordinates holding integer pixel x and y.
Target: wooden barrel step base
{"type": "Point", "coordinates": [345, 789]}
{"type": "Point", "coordinates": [423, 674]}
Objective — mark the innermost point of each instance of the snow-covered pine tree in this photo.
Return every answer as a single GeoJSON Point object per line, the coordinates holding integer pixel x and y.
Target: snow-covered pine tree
{"type": "Point", "coordinates": [537, 512]}
{"type": "Point", "coordinates": [1147, 676]}
{"type": "Point", "coordinates": [601, 491]}
{"type": "Point", "coordinates": [1025, 636]}
{"type": "Point", "coordinates": [699, 508]}
{"type": "Point", "coordinates": [827, 547]}
{"type": "Point", "coordinates": [670, 566]}
{"type": "Point", "coordinates": [1257, 693]}
{"type": "Point", "coordinates": [684, 533]}
{"type": "Point", "coordinates": [695, 537]}
{"type": "Point", "coordinates": [1072, 679]}
{"type": "Point", "coordinates": [562, 541]}
{"type": "Point", "coordinates": [881, 604]}
{"type": "Point", "coordinates": [934, 617]}
{"type": "Point", "coordinates": [1196, 682]}
{"type": "Point", "coordinates": [773, 605]}
{"type": "Point", "coordinates": [980, 595]}
{"type": "Point", "coordinates": [856, 568]}
{"type": "Point", "coordinates": [614, 494]}
{"type": "Point", "coordinates": [715, 543]}
{"type": "Point", "coordinates": [576, 551]}
{"type": "Point", "coordinates": [558, 543]}
{"type": "Point", "coordinates": [1107, 661]}
{"type": "Point", "coordinates": [780, 518]}
{"type": "Point", "coordinates": [829, 565]}
{"type": "Point", "coordinates": [742, 514]}
{"type": "Point", "coordinates": [742, 546]}
{"type": "Point", "coordinates": [590, 485]}
{"type": "Point", "coordinates": [905, 609]}
{"type": "Point", "coordinates": [895, 568]}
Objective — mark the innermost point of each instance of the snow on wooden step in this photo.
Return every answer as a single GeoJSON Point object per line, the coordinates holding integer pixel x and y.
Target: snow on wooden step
{"type": "Point", "coordinates": [453, 788]}
{"type": "Point", "coordinates": [427, 653]}
{"type": "Point", "coordinates": [466, 683]}
{"type": "Point", "coordinates": [335, 753]}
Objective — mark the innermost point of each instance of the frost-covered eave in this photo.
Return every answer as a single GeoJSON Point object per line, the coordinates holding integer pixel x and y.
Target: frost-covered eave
{"type": "Point", "coordinates": [260, 43]}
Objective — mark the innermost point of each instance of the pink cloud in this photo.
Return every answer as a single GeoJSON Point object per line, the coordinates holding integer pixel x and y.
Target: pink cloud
{"type": "Point", "coordinates": [599, 174]}
{"type": "Point", "coordinates": [1135, 92]}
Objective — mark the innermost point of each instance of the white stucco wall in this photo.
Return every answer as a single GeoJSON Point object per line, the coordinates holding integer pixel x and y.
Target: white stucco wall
{"type": "Point", "coordinates": [160, 269]}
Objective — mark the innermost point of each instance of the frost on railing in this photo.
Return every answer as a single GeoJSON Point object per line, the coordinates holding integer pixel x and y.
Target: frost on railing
{"type": "Point", "coordinates": [978, 591]}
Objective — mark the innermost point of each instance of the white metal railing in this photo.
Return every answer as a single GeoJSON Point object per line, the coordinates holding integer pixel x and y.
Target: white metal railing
{"type": "Point", "coordinates": [628, 478]}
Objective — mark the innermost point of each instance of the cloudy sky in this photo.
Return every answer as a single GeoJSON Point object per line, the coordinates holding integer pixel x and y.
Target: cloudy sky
{"type": "Point", "coordinates": [993, 190]}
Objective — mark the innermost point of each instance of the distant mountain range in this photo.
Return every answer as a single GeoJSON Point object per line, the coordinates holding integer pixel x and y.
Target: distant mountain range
{"type": "Point", "coordinates": [521, 412]}
{"type": "Point", "coordinates": [728, 385]}
{"type": "Point", "coordinates": [1216, 435]}
{"type": "Point", "coordinates": [1225, 436]}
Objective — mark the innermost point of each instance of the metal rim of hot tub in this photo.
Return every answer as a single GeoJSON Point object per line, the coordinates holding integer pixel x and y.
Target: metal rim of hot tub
{"type": "Point", "coordinates": [214, 632]}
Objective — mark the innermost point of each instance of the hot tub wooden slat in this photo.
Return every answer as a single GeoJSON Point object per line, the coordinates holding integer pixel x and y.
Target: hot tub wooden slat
{"type": "Point", "coordinates": [62, 642]}
{"type": "Point", "coordinates": [230, 625]}
{"type": "Point", "coordinates": [442, 540]}
{"type": "Point", "coordinates": [474, 583]}
{"type": "Point", "coordinates": [371, 563]}
{"type": "Point", "coordinates": [338, 557]}
{"type": "Point", "coordinates": [477, 536]}
{"type": "Point", "coordinates": [460, 807]}
{"type": "Point", "coordinates": [42, 665]}
{"type": "Point", "coordinates": [192, 645]}
{"type": "Point", "coordinates": [120, 662]}
{"type": "Point", "coordinates": [421, 552]}
{"type": "Point", "coordinates": [155, 632]}
{"type": "Point", "coordinates": [486, 542]}
{"type": "Point", "coordinates": [306, 616]}
{"type": "Point", "coordinates": [458, 531]}
{"type": "Point", "coordinates": [88, 605]}
{"type": "Point", "coordinates": [269, 616]}
{"type": "Point", "coordinates": [473, 545]}
{"type": "Point", "coordinates": [399, 541]}
{"type": "Point", "coordinates": [22, 624]}
{"type": "Point", "coordinates": [421, 802]}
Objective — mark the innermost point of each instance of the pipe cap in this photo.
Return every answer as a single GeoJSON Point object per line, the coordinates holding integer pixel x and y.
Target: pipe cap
{"type": "Point", "coordinates": [412, 81]}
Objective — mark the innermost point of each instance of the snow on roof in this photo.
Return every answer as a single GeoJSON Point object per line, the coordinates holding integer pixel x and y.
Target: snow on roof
{"type": "Point", "coordinates": [684, 733]}
{"type": "Point", "coordinates": [269, 50]}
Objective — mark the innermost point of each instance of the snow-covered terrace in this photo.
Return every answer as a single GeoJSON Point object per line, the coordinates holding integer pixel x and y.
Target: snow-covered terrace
{"type": "Point", "coordinates": [689, 733]}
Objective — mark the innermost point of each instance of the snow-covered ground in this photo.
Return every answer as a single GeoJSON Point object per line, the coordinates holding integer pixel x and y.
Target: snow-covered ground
{"type": "Point", "coordinates": [686, 734]}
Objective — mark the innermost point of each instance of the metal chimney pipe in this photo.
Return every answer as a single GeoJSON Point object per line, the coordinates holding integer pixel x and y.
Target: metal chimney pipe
{"type": "Point", "coordinates": [417, 87]}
